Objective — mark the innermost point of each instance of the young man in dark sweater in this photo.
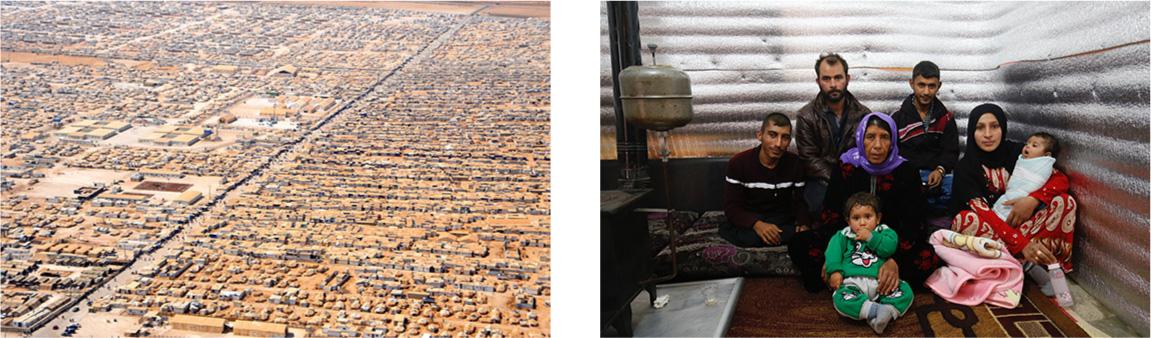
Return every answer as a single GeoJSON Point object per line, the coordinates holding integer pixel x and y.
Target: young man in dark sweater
{"type": "Point", "coordinates": [928, 138]}
{"type": "Point", "coordinates": [764, 191]}
{"type": "Point", "coordinates": [763, 197]}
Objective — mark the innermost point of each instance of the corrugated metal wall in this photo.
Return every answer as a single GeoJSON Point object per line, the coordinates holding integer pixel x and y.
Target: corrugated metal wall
{"type": "Point", "coordinates": [1078, 70]}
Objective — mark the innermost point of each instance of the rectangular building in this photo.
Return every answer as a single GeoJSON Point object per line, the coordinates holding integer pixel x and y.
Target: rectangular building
{"type": "Point", "coordinates": [189, 197]}
{"type": "Point", "coordinates": [259, 329]}
{"type": "Point", "coordinates": [198, 323]}
{"type": "Point", "coordinates": [125, 197]}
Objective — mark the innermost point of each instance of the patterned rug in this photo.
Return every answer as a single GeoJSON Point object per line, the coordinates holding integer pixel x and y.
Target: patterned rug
{"type": "Point", "coordinates": [780, 307]}
{"type": "Point", "coordinates": [702, 254]}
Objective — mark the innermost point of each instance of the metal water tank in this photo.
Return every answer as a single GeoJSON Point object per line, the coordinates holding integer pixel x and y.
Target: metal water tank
{"type": "Point", "coordinates": [655, 97]}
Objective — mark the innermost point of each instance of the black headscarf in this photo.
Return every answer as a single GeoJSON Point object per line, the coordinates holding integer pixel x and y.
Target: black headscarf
{"type": "Point", "coordinates": [969, 180]}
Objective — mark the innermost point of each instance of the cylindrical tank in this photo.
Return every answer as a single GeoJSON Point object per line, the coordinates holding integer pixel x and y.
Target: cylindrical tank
{"type": "Point", "coordinates": [655, 97]}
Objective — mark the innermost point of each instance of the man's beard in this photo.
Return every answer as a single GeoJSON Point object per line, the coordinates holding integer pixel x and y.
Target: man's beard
{"type": "Point", "coordinates": [921, 99]}
{"type": "Point", "coordinates": [835, 98]}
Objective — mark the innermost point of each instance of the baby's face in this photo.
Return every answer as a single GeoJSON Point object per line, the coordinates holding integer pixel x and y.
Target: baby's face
{"type": "Point", "coordinates": [863, 217]}
{"type": "Point", "coordinates": [1035, 147]}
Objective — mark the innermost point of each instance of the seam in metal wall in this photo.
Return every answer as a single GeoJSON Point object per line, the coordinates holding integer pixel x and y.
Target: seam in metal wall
{"type": "Point", "coordinates": [1078, 70]}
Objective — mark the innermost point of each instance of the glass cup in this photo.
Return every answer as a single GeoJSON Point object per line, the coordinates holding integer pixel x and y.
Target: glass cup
{"type": "Point", "coordinates": [709, 295]}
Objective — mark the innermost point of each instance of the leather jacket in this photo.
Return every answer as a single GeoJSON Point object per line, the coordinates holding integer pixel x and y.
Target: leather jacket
{"type": "Point", "coordinates": [813, 134]}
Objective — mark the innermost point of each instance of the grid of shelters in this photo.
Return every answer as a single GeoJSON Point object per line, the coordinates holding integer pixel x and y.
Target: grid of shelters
{"type": "Point", "coordinates": [364, 219]}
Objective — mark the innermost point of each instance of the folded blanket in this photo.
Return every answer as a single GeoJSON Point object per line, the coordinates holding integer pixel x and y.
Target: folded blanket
{"type": "Point", "coordinates": [1028, 176]}
{"type": "Point", "coordinates": [971, 279]}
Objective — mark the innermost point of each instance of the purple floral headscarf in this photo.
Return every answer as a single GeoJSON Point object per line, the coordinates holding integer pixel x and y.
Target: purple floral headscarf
{"type": "Point", "coordinates": [858, 156]}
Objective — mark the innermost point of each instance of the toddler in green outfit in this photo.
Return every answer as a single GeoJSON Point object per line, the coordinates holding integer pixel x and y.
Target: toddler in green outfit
{"type": "Point", "coordinates": [854, 256]}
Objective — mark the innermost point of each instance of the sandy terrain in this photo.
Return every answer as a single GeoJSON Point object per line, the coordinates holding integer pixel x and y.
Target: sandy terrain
{"type": "Point", "coordinates": [444, 7]}
{"type": "Point", "coordinates": [34, 57]}
{"type": "Point", "coordinates": [247, 113]}
{"type": "Point", "coordinates": [60, 181]}
{"type": "Point", "coordinates": [167, 331]}
{"type": "Point", "coordinates": [29, 58]}
{"type": "Point", "coordinates": [101, 323]}
{"type": "Point", "coordinates": [537, 9]}
{"type": "Point", "coordinates": [131, 138]}
{"type": "Point", "coordinates": [517, 9]}
{"type": "Point", "coordinates": [253, 123]}
{"type": "Point", "coordinates": [250, 107]}
{"type": "Point", "coordinates": [141, 65]}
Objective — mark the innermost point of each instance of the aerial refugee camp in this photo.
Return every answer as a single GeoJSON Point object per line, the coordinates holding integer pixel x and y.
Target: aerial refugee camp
{"type": "Point", "coordinates": [874, 168]}
{"type": "Point", "coordinates": [275, 169]}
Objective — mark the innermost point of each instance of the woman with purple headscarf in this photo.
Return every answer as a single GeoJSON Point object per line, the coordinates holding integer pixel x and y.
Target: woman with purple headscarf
{"type": "Point", "coordinates": [874, 166]}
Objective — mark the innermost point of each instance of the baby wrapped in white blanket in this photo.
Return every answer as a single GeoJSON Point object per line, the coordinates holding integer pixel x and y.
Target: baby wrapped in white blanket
{"type": "Point", "coordinates": [1029, 176]}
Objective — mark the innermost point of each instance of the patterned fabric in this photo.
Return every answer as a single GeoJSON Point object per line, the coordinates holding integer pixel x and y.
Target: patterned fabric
{"type": "Point", "coordinates": [1052, 225]}
{"type": "Point", "coordinates": [996, 179]}
{"type": "Point", "coordinates": [702, 253]}
{"type": "Point", "coordinates": [657, 227]}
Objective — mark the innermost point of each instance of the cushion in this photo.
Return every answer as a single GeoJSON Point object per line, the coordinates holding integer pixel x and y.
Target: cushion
{"type": "Point", "coordinates": [701, 253]}
{"type": "Point", "coordinates": [657, 227]}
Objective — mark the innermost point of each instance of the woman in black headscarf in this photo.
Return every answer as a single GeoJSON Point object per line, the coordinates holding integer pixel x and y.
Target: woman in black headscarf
{"type": "Point", "coordinates": [1040, 226]}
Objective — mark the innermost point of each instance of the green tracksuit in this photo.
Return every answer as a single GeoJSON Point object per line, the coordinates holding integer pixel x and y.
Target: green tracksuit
{"type": "Point", "coordinates": [859, 262]}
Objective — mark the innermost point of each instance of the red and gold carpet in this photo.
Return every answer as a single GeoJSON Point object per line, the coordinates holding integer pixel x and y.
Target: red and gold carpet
{"type": "Point", "coordinates": [780, 307]}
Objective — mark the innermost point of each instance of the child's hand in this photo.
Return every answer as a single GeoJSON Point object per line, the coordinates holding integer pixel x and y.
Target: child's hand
{"type": "Point", "coordinates": [835, 280]}
{"type": "Point", "coordinates": [863, 234]}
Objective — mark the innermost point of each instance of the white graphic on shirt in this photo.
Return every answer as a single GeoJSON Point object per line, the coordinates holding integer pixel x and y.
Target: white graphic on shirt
{"type": "Point", "coordinates": [895, 294]}
{"type": "Point", "coordinates": [862, 257]}
{"type": "Point", "coordinates": [848, 295]}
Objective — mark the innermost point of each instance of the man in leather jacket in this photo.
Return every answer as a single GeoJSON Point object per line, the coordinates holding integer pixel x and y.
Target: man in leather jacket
{"type": "Point", "coordinates": [825, 127]}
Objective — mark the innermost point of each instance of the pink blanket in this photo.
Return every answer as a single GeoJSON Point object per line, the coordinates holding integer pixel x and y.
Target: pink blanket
{"type": "Point", "coordinates": [969, 279]}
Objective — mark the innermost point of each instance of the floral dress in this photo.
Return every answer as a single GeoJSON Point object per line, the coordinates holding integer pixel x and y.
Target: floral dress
{"type": "Point", "coordinates": [1053, 224]}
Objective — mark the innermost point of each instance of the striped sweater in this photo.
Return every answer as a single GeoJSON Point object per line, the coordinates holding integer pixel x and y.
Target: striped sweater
{"type": "Point", "coordinates": [752, 191]}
